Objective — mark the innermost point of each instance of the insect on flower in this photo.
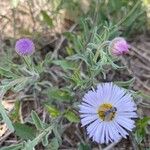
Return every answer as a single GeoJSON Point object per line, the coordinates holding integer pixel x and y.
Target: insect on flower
{"type": "Point", "coordinates": [107, 113]}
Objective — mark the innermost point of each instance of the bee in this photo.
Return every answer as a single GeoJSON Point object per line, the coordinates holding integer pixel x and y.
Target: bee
{"type": "Point", "coordinates": [109, 114]}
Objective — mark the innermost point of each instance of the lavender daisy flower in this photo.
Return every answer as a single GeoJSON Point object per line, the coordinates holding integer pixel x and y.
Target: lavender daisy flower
{"type": "Point", "coordinates": [107, 113]}
{"type": "Point", "coordinates": [119, 46]}
{"type": "Point", "coordinates": [24, 47]}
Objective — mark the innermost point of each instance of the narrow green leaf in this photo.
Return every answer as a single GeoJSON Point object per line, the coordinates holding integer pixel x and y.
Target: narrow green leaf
{"type": "Point", "coordinates": [38, 123]}
{"type": "Point", "coordinates": [59, 94]}
{"type": "Point", "coordinates": [47, 18]}
{"type": "Point", "coordinates": [57, 130]}
{"type": "Point", "coordinates": [125, 83]}
{"type": "Point", "coordinates": [141, 128]}
{"type": "Point", "coordinates": [65, 64]}
{"type": "Point", "coordinates": [72, 117]}
{"type": "Point", "coordinates": [144, 95]}
{"type": "Point", "coordinates": [15, 115]}
{"type": "Point", "coordinates": [31, 144]}
{"type": "Point", "coordinates": [84, 147]}
{"type": "Point", "coordinates": [54, 145]}
{"type": "Point", "coordinates": [24, 131]}
{"type": "Point", "coordinates": [77, 79]}
{"type": "Point", "coordinates": [6, 73]}
{"type": "Point", "coordinates": [13, 147]}
{"type": "Point", "coordinates": [6, 118]}
{"type": "Point", "coordinates": [45, 139]}
{"type": "Point", "coordinates": [54, 112]}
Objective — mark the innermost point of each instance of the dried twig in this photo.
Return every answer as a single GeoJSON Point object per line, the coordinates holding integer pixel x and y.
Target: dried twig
{"type": "Point", "coordinates": [3, 138]}
{"type": "Point", "coordinates": [136, 78]}
{"type": "Point", "coordinates": [144, 55]}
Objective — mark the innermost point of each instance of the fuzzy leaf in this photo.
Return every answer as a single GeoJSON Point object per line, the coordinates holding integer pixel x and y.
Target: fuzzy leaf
{"type": "Point", "coordinates": [140, 132]}
{"type": "Point", "coordinates": [54, 112]}
{"type": "Point", "coordinates": [13, 147]}
{"type": "Point", "coordinates": [6, 73]}
{"type": "Point", "coordinates": [84, 147]}
{"type": "Point", "coordinates": [59, 94]}
{"type": "Point", "coordinates": [31, 144]}
{"type": "Point", "coordinates": [72, 117]}
{"type": "Point", "coordinates": [57, 130]}
{"type": "Point", "coordinates": [38, 123]}
{"type": "Point", "coordinates": [6, 118]}
{"type": "Point", "coordinates": [125, 83]}
{"type": "Point", "coordinates": [45, 139]}
{"type": "Point", "coordinates": [24, 131]}
{"type": "Point", "coordinates": [54, 145]}
{"type": "Point", "coordinates": [15, 115]}
{"type": "Point", "coordinates": [65, 64]}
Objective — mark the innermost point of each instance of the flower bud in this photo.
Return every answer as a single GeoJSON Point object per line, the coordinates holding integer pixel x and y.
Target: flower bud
{"type": "Point", "coordinates": [119, 46]}
{"type": "Point", "coordinates": [25, 47]}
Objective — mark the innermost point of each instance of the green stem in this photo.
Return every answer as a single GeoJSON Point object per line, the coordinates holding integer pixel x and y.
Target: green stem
{"type": "Point", "coordinates": [98, 50]}
{"type": "Point", "coordinates": [130, 12]}
{"type": "Point", "coordinates": [28, 62]}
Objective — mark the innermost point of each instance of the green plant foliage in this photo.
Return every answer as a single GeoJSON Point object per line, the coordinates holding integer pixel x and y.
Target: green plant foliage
{"type": "Point", "coordinates": [47, 19]}
{"type": "Point", "coordinates": [6, 118]}
{"type": "Point", "coordinates": [38, 123]}
{"type": "Point", "coordinates": [57, 84]}
{"type": "Point", "coordinates": [7, 73]}
{"type": "Point", "coordinates": [125, 84]}
{"type": "Point", "coordinates": [45, 140]}
{"type": "Point", "coordinates": [54, 112]}
{"type": "Point", "coordinates": [60, 94]}
{"type": "Point", "coordinates": [15, 116]}
{"type": "Point", "coordinates": [72, 117]}
{"type": "Point", "coordinates": [30, 144]}
{"type": "Point", "coordinates": [65, 64]}
{"type": "Point", "coordinates": [24, 131]}
{"type": "Point", "coordinates": [58, 130]}
{"type": "Point", "coordinates": [53, 145]}
{"type": "Point", "coordinates": [13, 147]}
{"type": "Point", "coordinates": [141, 129]}
{"type": "Point", "coordinates": [83, 147]}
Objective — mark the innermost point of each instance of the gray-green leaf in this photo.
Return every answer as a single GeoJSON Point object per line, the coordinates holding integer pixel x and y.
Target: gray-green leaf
{"type": "Point", "coordinates": [13, 147]}
{"type": "Point", "coordinates": [38, 123]}
{"type": "Point", "coordinates": [6, 118]}
{"type": "Point", "coordinates": [59, 94]}
{"type": "Point", "coordinates": [54, 145]}
{"type": "Point", "coordinates": [24, 131]}
{"type": "Point", "coordinates": [72, 117]}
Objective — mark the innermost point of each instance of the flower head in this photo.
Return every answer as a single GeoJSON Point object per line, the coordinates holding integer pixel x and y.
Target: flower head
{"type": "Point", "coordinates": [107, 113]}
{"type": "Point", "coordinates": [24, 47]}
{"type": "Point", "coordinates": [119, 46]}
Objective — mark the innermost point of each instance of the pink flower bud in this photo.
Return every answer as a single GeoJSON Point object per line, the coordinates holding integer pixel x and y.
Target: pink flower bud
{"type": "Point", "coordinates": [119, 46]}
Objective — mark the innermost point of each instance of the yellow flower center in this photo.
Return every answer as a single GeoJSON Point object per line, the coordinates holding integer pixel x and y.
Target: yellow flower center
{"type": "Point", "coordinates": [106, 112]}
